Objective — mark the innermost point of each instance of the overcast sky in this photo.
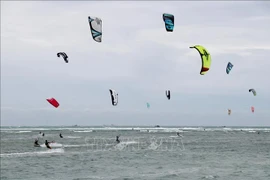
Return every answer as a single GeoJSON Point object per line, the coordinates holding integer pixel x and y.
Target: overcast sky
{"type": "Point", "coordinates": [137, 58]}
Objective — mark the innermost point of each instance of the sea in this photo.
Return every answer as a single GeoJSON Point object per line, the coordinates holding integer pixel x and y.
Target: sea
{"type": "Point", "coordinates": [144, 153]}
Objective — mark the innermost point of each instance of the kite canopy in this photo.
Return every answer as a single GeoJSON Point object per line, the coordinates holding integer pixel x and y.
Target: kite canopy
{"type": "Point", "coordinates": [206, 58]}
{"type": "Point", "coordinates": [252, 109]}
{"type": "Point", "coordinates": [229, 112]}
{"type": "Point", "coordinates": [64, 55]}
{"type": "Point", "coordinates": [148, 105]}
{"type": "Point", "coordinates": [96, 28]}
{"type": "Point", "coordinates": [253, 91]}
{"type": "Point", "coordinates": [168, 94]}
{"type": "Point", "coordinates": [114, 97]}
{"type": "Point", "coordinates": [229, 67]}
{"type": "Point", "coordinates": [53, 102]}
{"type": "Point", "coordinates": [169, 22]}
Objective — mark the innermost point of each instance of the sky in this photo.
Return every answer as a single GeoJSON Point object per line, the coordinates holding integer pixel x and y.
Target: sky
{"type": "Point", "coordinates": [139, 59]}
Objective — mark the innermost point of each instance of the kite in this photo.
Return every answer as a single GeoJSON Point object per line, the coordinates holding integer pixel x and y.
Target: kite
{"type": "Point", "coordinates": [64, 55]}
{"type": "Point", "coordinates": [169, 22]}
{"type": "Point", "coordinates": [53, 102]}
{"type": "Point", "coordinates": [205, 57]}
{"type": "Point", "coordinates": [96, 28]}
{"type": "Point", "coordinates": [114, 97]}
{"type": "Point", "coordinates": [229, 67]}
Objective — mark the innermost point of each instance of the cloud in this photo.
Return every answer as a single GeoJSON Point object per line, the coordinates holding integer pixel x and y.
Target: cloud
{"type": "Point", "coordinates": [138, 58]}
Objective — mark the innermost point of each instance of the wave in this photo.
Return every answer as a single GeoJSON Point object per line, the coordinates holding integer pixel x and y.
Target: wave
{"type": "Point", "coordinates": [176, 136]}
{"type": "Point", "coordinates": [52, 145]}
{"type": "Point", "coordinates": [23, 132]}
{"type": "Point", "coordinates": [128, 142]}
{"type": "Point", "coordinates": [122, 145]}
{"type": "Point", "coordinates": [14, 132]}
{"type": "Point", "coordinates": [72, 137]}
{"type": "Point", "coordinates": [140, 129]}
{"type": "Point", "coordinates": [50, 151]}
{"type": "Point", "coordinates": [78, 145]}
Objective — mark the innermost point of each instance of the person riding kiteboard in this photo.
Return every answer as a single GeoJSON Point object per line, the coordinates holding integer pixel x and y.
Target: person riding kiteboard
{"type": "Point", "coordinates": [47, 144]}
{"type": "Point", "coordinates": [117, 139]}
{"type": "Point", "coordinates": [36, 143]}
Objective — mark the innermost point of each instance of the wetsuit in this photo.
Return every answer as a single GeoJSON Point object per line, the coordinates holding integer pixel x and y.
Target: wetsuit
{"type": "Point", "coordinates": [43, 134]}
{"type": "Point", "coordinates": [178, 134]}
{"type": "Point", "coordinates": [36, 143]}
{"type": "Point", "coordinates": [47, 144]}
{"type": "Point", "coordinates": [60, 135]}
{"type": "Point", "coordinates": [117, 139]}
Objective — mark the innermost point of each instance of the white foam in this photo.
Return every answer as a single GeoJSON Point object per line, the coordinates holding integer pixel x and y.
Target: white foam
{"type": "Point", "coordinates": [52, 145]}
{"type": "Point", "coordinates": [128, 142]}
{"type": "Point", "coordinates": [122, 145]}
{"type": "Point", "coordinates": [72, 137]}
{"type": "Point", "coordinates": [49, 151]}
{"type": "Point", "coordinates": [176, 136]}
{"type": "Point", "coordinates": [23, 132]}
{"type": "Point", "coordinates": [84, 131]}
{"type": "Point", "coordinates": [141, 129]}
{"type": "Point", "coordinates": [80, 145]}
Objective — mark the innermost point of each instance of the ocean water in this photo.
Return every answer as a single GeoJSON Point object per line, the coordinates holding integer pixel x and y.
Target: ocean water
{"type": "Point", "coordinates": [230, 153]}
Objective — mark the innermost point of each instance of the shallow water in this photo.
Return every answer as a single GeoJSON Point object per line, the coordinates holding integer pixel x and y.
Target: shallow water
{"type": "Point", "coordinates": [144, 153]}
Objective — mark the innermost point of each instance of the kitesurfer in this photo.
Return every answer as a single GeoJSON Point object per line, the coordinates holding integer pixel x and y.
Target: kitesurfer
{"type": "Point", "coordinates": [47, 144]}
{"type": "Point", "coordinates": [36, 143]}
{"type": "Point", "coordinates": [117, 139]}
{"type": "Point", "coordinates": [43, 134]}
{"type": "Point", "coordinates": [178, 134]}
{"type": "Point", "coordinates": [60, 135]}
